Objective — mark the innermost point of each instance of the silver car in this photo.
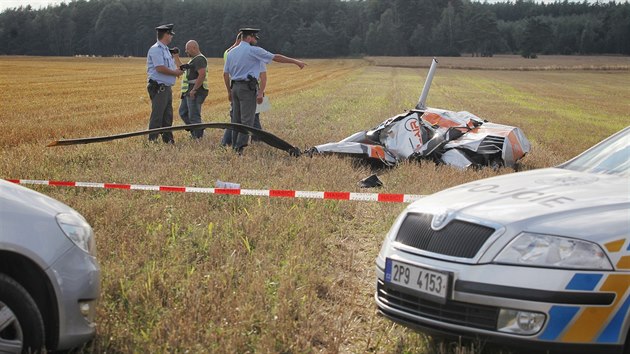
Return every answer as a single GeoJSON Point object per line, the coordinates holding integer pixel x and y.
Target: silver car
{"type": "Point", "coordinates": [49, 275]}
{"type": "Point", "coordinates": [537, 259]}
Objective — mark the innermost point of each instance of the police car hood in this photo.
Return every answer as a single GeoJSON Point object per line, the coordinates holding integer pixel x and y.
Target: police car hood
{"type": "Point", "coordinates": [16, 200]}
{"type": "Point", "coordinates": [552, 200]}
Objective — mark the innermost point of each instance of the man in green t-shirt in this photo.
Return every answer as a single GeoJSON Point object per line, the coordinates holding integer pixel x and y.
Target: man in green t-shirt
{"type": "Point", "coordinates": [194, 87]}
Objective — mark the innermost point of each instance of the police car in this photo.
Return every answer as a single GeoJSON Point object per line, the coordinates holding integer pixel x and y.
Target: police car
{"type": "Point", "coordinates": [537, 259]}
{"type": "Point", "coordinates": [49, 274]}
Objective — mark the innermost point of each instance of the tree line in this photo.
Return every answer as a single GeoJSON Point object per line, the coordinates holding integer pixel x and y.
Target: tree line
{"type": "Point", "coordinates": [322, 28]}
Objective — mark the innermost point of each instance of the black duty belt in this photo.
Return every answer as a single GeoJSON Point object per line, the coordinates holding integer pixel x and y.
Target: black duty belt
{"type": "Point", "coordinates": [157, 87]}
{"type": "Point", "coordinates": [251, 82]}
{"type": "Point", "coordinates": [155, 83]}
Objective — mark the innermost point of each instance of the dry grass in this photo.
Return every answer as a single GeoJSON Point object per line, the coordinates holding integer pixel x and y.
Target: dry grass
{"type": "Point", "coordinates": [512, 62]}
{"type": "Point", "coordinates": [205, 273]}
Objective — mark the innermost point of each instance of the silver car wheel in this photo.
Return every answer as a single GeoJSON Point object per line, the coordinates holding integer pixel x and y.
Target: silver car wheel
{"type": "Point", "coordinates": [11, 336]}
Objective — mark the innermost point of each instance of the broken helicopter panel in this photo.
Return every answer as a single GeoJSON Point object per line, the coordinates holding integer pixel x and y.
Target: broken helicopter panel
{"type": "Point", "coordinates": [459, 139]}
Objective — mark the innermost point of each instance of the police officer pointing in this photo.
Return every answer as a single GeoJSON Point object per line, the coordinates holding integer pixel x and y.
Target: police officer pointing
{"type": "Point", "coordinates": [162, 73]}
{"type": "Point", "coordinates": [240, 74]}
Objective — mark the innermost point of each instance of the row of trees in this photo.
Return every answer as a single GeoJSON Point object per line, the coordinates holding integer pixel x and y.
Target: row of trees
{"type": "Point", "coordinates": [322, 28]}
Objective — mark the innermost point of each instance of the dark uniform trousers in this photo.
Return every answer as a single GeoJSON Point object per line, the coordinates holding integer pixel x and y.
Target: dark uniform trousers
{"type": "Point", "coordinates": [161, 113]}
{"type": "Point", "coordinates": [244, 111]}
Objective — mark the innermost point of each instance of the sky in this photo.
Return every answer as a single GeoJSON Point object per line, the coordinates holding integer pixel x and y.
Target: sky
{"type": "Point", "coordinates": [5, 4]}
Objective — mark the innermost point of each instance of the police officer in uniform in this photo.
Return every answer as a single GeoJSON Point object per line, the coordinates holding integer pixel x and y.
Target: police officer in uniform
{"type": "Point", "coordinates": [240, 74]}
{"type": "Point", "coordinates": [262, 83]}
{"type": "Point", "coordinates": [162, 73]}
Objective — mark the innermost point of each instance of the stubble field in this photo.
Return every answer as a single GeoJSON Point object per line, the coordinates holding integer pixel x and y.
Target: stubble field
{"type": "Point", "coordinates": [207, 273]}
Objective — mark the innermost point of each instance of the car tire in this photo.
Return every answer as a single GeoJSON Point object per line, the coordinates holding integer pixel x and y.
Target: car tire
{"type": "Point", "coordinates": [21, 322]}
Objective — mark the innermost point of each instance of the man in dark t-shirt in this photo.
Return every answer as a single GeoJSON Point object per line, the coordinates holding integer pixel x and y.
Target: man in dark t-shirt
{"type": "Point", "coordinates": [194, 87]}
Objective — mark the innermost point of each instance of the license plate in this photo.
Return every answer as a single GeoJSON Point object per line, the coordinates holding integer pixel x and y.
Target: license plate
{"type": "Point", "coordinates": [427, 282]}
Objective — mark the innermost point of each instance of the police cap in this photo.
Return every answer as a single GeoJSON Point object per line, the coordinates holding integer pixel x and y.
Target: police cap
{"type": "Point", "coordinates": [168, 28]}
{"type": "Point", "coordinates": [248, 31]}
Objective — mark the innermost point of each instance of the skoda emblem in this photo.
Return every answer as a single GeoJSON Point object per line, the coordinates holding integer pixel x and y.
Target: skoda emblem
{"type": "Point", "coordinates": [440, 220]}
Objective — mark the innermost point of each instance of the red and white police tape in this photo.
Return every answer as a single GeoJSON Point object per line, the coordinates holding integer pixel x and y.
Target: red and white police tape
{"type": "Point", "coordinates": [272, 193]}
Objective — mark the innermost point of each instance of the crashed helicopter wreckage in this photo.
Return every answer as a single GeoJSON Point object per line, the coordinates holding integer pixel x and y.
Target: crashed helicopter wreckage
{"type": "Point", "coordinates": [458, 139]}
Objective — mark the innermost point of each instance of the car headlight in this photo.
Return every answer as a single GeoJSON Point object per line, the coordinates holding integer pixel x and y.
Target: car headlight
{"type": "Point", "coordinates": [553, 251]}
{"type": "Point", "coordinates": [78, 231]}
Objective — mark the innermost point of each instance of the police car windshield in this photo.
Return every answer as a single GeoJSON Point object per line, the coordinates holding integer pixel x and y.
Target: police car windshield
{"type": "Point", "coordinates": [609, 157]}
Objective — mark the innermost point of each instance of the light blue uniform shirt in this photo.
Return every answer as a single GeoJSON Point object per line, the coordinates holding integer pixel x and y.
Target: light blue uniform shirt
{"type": "Point", "coordinates": [246, 59]}
{"type": "Point", "coordinates": [159, 55]}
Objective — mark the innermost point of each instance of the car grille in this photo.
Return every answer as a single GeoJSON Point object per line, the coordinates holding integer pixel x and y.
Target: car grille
{"type": "Point", "coordinates": [459, 313]}
{"type": "Point", "coordinates": [457, 239]}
